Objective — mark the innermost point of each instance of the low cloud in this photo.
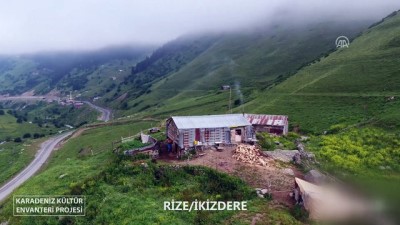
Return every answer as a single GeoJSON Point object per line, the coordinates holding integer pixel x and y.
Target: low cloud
{"type": "Point", "coordinates": [29, 26]}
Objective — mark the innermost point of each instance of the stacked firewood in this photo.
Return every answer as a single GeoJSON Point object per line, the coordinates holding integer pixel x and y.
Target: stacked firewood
{"type": "Point", "coordinates": [249, 154]}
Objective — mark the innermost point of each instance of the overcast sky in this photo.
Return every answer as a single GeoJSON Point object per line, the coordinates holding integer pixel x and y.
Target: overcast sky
{"type": "Point", "coordinates": [36, 25]}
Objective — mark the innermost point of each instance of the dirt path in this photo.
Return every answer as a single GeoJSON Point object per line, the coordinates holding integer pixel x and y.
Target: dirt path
{"type": "Point", "coordinates": [79, 132]}
{"type": "Point", "coordinates": [277, 177]}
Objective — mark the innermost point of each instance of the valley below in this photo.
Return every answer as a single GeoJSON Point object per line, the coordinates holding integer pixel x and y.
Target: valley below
{"type": "Point", "coordinates": [262, 116]}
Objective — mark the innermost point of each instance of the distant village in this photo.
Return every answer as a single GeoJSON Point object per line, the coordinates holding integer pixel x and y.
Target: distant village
{"type": "Point", "coordinates": [70, 101]}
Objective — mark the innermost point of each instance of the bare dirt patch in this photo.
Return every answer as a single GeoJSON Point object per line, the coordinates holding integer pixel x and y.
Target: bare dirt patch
{"type": "Point", "coordinates": [273, 176]}
{"type": "Point", "coordinates": [122, 97]}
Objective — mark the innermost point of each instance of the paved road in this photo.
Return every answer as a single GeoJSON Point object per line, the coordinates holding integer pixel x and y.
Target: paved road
{"type": "Point", "coordinates": [105, 113]}
{"type": "Point", "coordinates": [40, 158]}
{"type": "Point", "coordinates": [29, 98]}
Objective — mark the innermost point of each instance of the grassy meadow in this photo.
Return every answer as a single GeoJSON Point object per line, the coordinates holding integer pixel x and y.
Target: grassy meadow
{"type": "Point", "coordinates": [17, 148]}
{"type": "Point", "coordinates": [21, 140]}
{"type": "Point", "coordinates": [15, 156]}
{"type": "Point", "coordinates": [120, 190]}
{"type": "Point", "coordinates": [10, 129]}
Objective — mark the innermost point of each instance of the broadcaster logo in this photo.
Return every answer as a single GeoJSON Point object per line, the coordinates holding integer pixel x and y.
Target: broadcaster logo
{"type": "Point", "coordinates": [342, 41]}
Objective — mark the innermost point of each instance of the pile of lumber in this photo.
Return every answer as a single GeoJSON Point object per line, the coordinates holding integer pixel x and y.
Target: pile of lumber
{"type": "Point", "coordinates": [249, 154]}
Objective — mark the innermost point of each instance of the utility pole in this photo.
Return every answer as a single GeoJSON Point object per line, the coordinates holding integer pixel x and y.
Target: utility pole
{"type": "Point", "coordinates": [230, 99]}
{"type": "Point", "coordinates": [243, 105]}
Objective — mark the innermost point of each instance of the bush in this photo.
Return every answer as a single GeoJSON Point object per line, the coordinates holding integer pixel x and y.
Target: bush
{"type": "Point", "coordinates": [36, 135]}
{"type": "Point", "coordinates": [2, 112]}
{"type": "Point", "coordinates": [292, 136]}
{"type": "Point", "coordinates": [18, 139]}
{"type": "Point", "coordinates": [27, 135]}
{"type": "Point", "coordinates": [299, 213]}
{"type": "Point", "coordinates": [132, 145]}
{"type": "Point", "coordinates": [228, 187]}
{"type": "Point", "coordinates": [266, 141]}
{"type": "Point", "coordinates": [359, 149]}
{"type": "Point", "coordinates": [125, 106]}
{"type": "Point", "coordinates": [334, 129]}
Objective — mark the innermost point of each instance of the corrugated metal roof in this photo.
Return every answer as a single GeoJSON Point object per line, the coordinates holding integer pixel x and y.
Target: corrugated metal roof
{"type": "Point", "coordinates": [270, 120]}
{"type": "Point", "coordinates": [210, 121]}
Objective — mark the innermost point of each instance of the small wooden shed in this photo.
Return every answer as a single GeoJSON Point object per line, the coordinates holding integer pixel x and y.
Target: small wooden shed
{"type": "Point", "coordinates": [274, 124]}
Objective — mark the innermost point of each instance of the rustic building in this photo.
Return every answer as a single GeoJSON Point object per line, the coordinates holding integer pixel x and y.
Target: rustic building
{"type": "Point", "coordinates": [185, 131]}
{"type": "Point", "coordinates": [225, 87]}
{"type": "Point", "coordinates": [274, 124]}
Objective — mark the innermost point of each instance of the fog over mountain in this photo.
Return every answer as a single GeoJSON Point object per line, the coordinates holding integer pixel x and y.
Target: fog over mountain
{"type": "Point", "coordinates": [47, 25]}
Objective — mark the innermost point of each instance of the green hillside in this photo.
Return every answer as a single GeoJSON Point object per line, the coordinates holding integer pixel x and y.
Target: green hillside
{"type": "Point", "coordinates": [120, 190]}
{"type": "Point", "coordinates": [10, 129]}
{"type": "Point", "coordinates": [355, 85]}
{"type": "Point", "coordinates": [249, 62]}
{"type": "Point", "coordinates": [164, 61]}
{"type": "Point", "coordinates": [352, 95]}
{"type": "Point", "coordinates": [65, 71]}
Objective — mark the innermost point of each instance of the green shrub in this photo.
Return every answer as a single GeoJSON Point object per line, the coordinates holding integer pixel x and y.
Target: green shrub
{"type": "Point", "coordinates": [334, 129]}
{"type": "Point", "coordinates": [360, 150]}
{"type": "Point", "coordinates": [292, 136]}
{"type": "Point", "coordinates": [266, 141]}
{"type": "Point", "coordinates": [228, 187]}
{"type": "Point", "coordinates": [299, 213]}
{"type": "Point", "coordinates": [132, 144]}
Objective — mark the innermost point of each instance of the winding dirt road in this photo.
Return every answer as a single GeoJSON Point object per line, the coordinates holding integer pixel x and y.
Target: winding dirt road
{"type": "Point", "coordinates": [40, 158]}
{"type": "Point", "coordinates": [105, 113]}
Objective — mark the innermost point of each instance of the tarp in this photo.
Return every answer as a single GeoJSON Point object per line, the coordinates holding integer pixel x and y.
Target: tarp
{"type": "Point", "coordinates": [328, 204]}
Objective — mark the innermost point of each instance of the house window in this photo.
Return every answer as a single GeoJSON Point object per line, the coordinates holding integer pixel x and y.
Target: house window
{"type": "Point", "coordinates": [238, 131]}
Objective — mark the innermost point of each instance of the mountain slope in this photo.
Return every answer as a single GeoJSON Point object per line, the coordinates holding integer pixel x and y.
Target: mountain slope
{"type": "Point", "coordinates": [250, 62]}
{"type": "Point", "coordinates": [66, 71]}
{"type": "Point", "coordinates": [355, 85]}
{"type": "Point", "coordinates": [164, 61]}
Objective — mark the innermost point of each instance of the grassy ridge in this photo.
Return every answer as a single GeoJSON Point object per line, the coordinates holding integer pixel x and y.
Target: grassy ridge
{"type": "Point", "coordinates": [251, 60]}
{"type": "Point", "coordinates": [359, 84]}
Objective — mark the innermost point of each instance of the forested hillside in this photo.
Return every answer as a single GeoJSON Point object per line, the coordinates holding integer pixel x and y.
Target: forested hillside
{"type": "Point", "coordinates": [65, 71]}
